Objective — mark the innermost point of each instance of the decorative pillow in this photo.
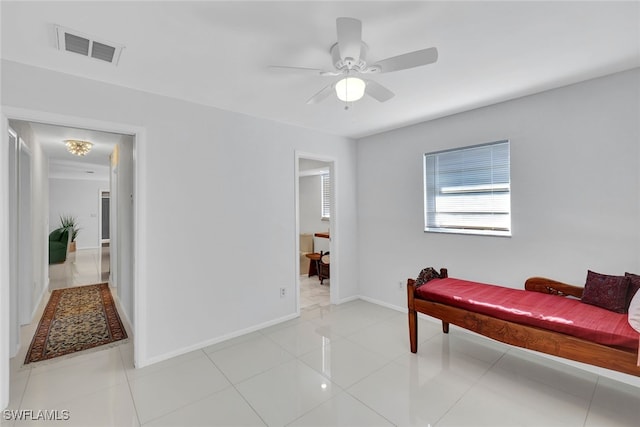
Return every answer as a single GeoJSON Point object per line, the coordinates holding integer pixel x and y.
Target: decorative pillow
{"type": "Point", "coordinates": [634, 286]}
{"type": "Point", "coordinates": [425, 275]}
{"type": "Point", "coordinates": [606, 291]}
{"type": "Point", "coordinates": [634, 312]}
{"type": "Point", "coordinates": [634, 317]}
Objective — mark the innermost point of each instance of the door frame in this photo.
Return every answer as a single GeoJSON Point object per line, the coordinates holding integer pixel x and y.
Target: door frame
{"type": "Point", "coordinates": [11, 183]}
{"type": "Point", "coordinates": [25, 234]}
{"type": "Point", "coordinates": [140, 233]}
{"type": "Point", "coordinates": [333, 224]}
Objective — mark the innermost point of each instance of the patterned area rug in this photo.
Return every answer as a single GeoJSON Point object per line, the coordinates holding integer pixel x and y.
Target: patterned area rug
{"type": "Point", "coordinates": [76, 319]}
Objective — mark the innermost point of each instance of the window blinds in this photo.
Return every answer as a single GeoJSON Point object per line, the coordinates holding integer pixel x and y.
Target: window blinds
{"type": "Point", "coordinates": [326, 196]}
{"type": "Point", "coordinates": [468, 190]}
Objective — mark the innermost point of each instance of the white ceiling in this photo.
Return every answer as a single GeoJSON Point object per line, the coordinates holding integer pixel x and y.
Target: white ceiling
{"type": "Point", "coordinates": [217, 53]}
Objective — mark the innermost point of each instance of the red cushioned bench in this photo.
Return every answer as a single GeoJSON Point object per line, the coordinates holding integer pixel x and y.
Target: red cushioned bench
{"type": "Point", "coordinates": [547, 317]}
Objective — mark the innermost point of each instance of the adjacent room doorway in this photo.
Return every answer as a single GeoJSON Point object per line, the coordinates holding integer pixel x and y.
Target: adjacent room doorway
{"type": "Point", "coordinates": [315, 216]}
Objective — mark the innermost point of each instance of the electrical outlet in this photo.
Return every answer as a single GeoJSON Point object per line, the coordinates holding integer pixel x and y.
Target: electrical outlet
{"type": "Point", "coordinates": [283, 292]}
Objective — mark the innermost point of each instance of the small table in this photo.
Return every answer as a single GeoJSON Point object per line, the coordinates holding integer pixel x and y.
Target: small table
{"type": "Point", "coordinates": [313, 265]}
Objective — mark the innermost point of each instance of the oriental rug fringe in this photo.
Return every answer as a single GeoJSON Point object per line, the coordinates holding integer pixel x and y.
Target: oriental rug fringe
{"type": "Point", "coordinates": [76, 319]}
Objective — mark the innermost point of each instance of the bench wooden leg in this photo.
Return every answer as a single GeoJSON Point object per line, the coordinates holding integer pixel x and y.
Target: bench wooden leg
{"type": "Point", "coordinates": [413, 330]}
{"type": "Point", "coordinates": [445, 327]}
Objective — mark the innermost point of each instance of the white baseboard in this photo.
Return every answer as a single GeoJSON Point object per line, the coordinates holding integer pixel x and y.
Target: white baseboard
{"type": "Point", "coordinates": [348, 299]}
{"type": "Point", "coordinates": [123, 316]}
{"type": "Point", "coordinates": [207, 343]}
{"type": "Point", "coordinates": [36, 307]}
{"type": "Point", "coordinates": [384, 304]}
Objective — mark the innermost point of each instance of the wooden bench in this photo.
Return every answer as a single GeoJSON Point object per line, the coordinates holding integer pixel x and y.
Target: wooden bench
{"type": "Point", "coordinates": [529, 337]}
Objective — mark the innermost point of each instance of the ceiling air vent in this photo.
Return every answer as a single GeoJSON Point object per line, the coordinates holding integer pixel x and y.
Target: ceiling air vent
{"type": "Point", "coordinates": [83, 44]}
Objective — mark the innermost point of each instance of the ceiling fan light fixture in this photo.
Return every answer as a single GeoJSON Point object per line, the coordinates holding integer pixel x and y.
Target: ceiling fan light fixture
{"type": "Point", "coordinates": [77, 147]}
{"type": "Point", "coordinates": [350, 89]}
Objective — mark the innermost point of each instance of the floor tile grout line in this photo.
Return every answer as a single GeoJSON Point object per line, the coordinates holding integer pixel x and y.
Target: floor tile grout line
{"type": "Point", "coordinates": [26, 385]}
{"type": "Point", "coordinates": [238, 391]}
{"type": "Point", "coordinates": [365, 404]}
{"type": "Point", "coordinates": [513, 352]}
{"type": "Point", "coordinates": [186, 404]}
{"type": "Point", "coordinates": [473, 384]}
{"type": "Point", "coordinates": [593, 396]}
{"type": "Point", "coordinates": [340, 390]}
{"type": "Point", "coordinates": [296, 358]}
{"type": "Point", "coordinates": [133, 400]}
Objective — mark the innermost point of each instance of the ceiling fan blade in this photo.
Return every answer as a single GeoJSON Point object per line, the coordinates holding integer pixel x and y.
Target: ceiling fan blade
{"type": "Point", "coordinates": [377, 91]}
{"type": "Point", "coordinates": [408, 60]}
{"type": "Point", "coordinates": [305, 70]}
{"type": "Point", "coordinates": [320, 96]}
{"type": "Point", "coordinates": [285, 68]}
{"type": "Point", "coordinates": [349, 38]}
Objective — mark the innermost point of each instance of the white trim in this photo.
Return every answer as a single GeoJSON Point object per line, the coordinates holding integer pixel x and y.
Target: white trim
{"type": "Point", "coordinates": [13, 237]}
{"type": "Point", "coordinates": [25, 234]}
{"type": "Point", "coordinates": [36, 306]}
{"type": "Point", "coordinates": [384, 304]}
{"type": "Point", "coordinates": [123, 315]}
{"type": "Point", "coordinates": [5, 319]}
{"type": "Point", "coordinates": [349, 299]}
{"type": "Point", "coordinates": [203, 344]}
{"type": "Point", "coordinates": [313, 172]}
{"type": "Point", "coordinates": [139, 208]}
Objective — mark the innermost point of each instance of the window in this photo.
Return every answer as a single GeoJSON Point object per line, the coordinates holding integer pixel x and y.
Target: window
{"type": "Point", "coordinates": [468, 190]}
{"type": "Point", "coordinates": [326, 196]}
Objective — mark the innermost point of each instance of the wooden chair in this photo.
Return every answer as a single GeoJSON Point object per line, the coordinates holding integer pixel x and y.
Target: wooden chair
{"type": "Point", "coordinates": [324, 269]}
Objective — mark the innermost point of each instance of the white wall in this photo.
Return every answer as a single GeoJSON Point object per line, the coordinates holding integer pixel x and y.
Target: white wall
{"type": "Point", "coordinates": [79, 198]}
{"type": "Point", "coordinates": [575, 191]}
{"type": "Point", "coordinates": [214, 258]}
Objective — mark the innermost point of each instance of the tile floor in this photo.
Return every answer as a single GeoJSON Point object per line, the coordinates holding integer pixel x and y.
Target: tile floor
{"type": "Point", "coordinates": [346, 365]}
{"type": "Point", "coordinates": [312, 292]}
{"type": "Point", "coordinates": [82, 267]}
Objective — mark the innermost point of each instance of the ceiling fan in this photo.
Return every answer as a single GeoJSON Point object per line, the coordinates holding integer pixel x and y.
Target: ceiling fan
{"type": "Point", "coordinates": [349, 56]}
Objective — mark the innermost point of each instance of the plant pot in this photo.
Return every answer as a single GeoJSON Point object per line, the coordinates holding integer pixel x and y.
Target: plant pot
{"type": "Point", "coordinates": [72, 247]}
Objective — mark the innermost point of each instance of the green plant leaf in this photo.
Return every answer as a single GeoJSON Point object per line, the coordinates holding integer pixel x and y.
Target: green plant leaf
{"type": "Point", "coordinates": [69, 222]}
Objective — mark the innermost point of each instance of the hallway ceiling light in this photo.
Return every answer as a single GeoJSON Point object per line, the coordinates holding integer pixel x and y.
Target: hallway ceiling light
{"type": "Point", "coordinates": [77, 147]}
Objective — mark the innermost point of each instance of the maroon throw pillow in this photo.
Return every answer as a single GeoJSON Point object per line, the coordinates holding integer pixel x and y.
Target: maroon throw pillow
{"type": "Point", "coordinates": [634, 286]}
{"type": "Point", "coordinates": [606, 291]}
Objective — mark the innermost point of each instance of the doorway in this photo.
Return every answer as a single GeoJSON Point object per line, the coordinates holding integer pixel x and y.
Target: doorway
{"type": "Point", "coordinates": [315, 217]}
{"type": "Point", "coordinates": [137, 287]}
{"type": "Point", "coordinates": [8, 265]}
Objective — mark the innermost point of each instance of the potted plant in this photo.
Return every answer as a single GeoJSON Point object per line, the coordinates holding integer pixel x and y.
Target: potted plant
{"type": "Point", "coordinates": [69, 223]}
